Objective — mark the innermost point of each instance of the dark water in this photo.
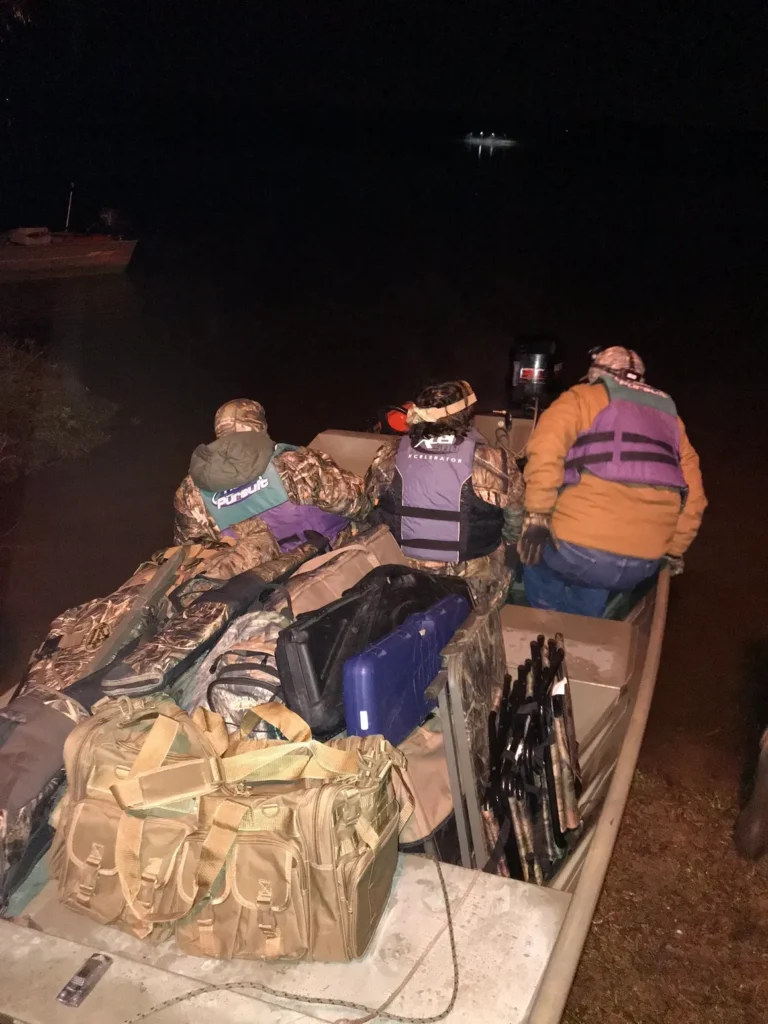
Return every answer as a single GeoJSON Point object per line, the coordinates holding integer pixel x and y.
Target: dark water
{"type": "Point", "coordinates": [329, 269]}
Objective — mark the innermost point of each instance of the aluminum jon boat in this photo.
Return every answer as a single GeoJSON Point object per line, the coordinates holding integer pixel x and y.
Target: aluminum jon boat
{"type": "Point", "coordinates": [517, 945]}
{"type": "Point", "coordinates": [67, 255]}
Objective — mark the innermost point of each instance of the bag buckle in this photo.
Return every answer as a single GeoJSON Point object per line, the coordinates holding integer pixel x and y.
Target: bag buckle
{"type": "Point", "coordinates": [266, 918]}
{"type": "Point", "coordinates": [87, 887]}
{"type": "Point", "coordinates": [148, 883]}
{"type": "Point", "coordinates": [350, 811]}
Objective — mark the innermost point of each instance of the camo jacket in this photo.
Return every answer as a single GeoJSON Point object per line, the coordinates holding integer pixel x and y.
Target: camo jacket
{"type": "Point", "coordinates": [496, 480]}
{"type": "Point", "coordinates": [309, 477]}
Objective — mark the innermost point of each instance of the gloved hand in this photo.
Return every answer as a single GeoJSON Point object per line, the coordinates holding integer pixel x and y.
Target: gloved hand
{"type": "Point", "coordinates": [535, 537]}
{"type": "Point", "coordinates": [675, 564]}
{"type": "Point", "coordinates": [510, 557]}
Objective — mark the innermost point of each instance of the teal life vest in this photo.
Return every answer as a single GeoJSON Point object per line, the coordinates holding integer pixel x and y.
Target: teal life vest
{"type": "Point", "coordinates": [227, 508]}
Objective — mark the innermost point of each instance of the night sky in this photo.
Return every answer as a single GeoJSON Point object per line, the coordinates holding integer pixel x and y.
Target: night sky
{"type": "Point", "coordinates": [691, 62]}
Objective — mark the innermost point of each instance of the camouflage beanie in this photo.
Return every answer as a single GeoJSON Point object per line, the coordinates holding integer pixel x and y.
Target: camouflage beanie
{"type": "Point", "coordinates": [618, 361]}
{"type": "Point", "coordinates": [446, 408]}
{"type": "Point", "coordinates": [240, 414]}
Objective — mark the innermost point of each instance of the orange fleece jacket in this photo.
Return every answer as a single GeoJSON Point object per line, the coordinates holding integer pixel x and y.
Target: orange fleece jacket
{"type": "Point", "coordinates": [640, 522]}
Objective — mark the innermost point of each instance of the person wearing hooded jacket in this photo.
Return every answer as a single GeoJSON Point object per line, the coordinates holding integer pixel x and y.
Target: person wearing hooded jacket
{"type": "Point", "coordinates": [613, 487]}
{"type": "Point", "coordinates": [452, 501]}
{"type": "Point", "coordinates": [244, 483]}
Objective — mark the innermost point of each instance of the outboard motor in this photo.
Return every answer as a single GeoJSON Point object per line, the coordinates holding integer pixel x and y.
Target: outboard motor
{"type": "Point", "coordinates": [115, 223]}
{"type": "Point", "coordinates": [533, 381]}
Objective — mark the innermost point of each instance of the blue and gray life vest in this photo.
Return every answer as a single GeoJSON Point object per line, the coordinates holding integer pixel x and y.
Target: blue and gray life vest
{"type": "Point", "coordinates": [431, 507]}
{"type": "Point", "coordinates": [634, 440]}
{"type": "Point", "coordinates": [267, 498]}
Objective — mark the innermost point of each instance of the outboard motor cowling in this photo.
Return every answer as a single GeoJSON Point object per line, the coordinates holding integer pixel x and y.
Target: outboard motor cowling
{"type": "Point", "coordinates": [533, 381]}
{"type": "Point", "coordinates": [115, 223]}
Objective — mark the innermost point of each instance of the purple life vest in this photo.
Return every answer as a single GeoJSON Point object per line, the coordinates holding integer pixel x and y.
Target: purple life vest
{"type": "Point", "coordinates": [289, 521]}
{"type": "Point", "coordinates": [431, 507]}
{"type": "Point", "coordinates": [635, 440]}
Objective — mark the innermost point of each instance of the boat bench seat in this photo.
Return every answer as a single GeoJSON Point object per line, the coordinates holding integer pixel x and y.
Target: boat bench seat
{"type": "Point", "coordinates": [599, 651]}
{"type": "Point", "coordinates": [620, 603]}
{"type": "Point", "coordinates": [602, 657]}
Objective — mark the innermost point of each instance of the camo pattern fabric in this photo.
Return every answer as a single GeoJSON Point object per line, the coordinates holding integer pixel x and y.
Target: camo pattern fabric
{"type": "Point", "coordinates": [488, 578]}
{"type": "Point", "coordinates": [496, 480]}
{"type": "Point", "coordinates": [309, 478]}
{"type": "Point", "coordinates": [252, 637]}
{"type": "Point", "coordinates": [475, 660]}
{"type": "Point", "coordinates": [54, 699]}
{"type": "Point", "coordinates": [75, 636]}
{"type": "Point", "coordinates": [240, 414]}
{"type": "Point", "coordinates": [158, 658]}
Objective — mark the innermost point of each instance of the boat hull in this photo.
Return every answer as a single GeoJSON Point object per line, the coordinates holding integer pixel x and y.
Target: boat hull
{"type": "Point", "coordinates": [518, 945]}
{"type": "Point", "coordinates": [64, 258]}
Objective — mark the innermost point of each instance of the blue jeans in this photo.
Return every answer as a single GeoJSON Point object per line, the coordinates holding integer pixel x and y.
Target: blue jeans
{"type": "Point", "coordinates": [570, 578]}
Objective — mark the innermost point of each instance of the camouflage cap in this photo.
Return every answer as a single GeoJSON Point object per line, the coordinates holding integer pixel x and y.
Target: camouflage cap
{"type": "Point", "coordinates": [618, 361]}
{"type": "Point", "coordinates": [439, 401]}
{"type": "Point", "coordinates": [240, 414]}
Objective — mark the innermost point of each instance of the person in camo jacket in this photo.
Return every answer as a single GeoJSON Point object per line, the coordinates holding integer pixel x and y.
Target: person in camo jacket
{"type": "Point", "coordinates": [243, 482]}
{"type": "Point", "coordinates": [453, 502]}
{"type": "Point", "coordinates": [613, 487]}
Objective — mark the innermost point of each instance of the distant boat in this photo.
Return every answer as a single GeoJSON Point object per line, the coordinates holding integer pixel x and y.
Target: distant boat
{"type": "Point", "coordinates": [490, 141]}
{"type": "Point", "coordinates": [35, 253]}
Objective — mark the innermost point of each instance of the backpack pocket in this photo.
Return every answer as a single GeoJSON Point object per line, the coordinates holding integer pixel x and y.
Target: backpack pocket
{"type": "Point", "coordinates": [115, 865]}
{"type": "Point", "coordinates": [259, 910]}
{"type": "Point", "coordinates": [88, 879]}
{"type": "Point", "coordinates": [365, 881]}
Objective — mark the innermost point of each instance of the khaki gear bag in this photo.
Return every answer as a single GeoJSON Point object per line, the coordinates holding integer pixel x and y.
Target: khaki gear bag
{"type": "Point", "coordinates": [428, 783]}
{"type": "Point", "coordinates": [260, 849]}
{"type": "Point", "coordinates": [324, 579]}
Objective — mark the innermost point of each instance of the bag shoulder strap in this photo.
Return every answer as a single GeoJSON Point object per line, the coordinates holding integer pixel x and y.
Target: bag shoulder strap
{"type": "Point", "coordinates": [319, 560]}
{"type": "Point", "coordinates": [291, 725]}
{"type": "Point", "coordinates": [255, 761]}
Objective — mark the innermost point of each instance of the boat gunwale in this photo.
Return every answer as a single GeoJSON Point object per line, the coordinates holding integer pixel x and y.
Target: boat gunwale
{"type": "Point", "coordinates": [556, 981]}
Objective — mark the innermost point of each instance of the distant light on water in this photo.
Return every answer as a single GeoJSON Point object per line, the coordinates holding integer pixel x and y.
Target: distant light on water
{"type": "Point", "coordinates": [488, 143]}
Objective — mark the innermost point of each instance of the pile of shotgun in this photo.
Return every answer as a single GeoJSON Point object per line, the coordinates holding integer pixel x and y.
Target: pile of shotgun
{"type": "Point", "coordinates": [531, 806]}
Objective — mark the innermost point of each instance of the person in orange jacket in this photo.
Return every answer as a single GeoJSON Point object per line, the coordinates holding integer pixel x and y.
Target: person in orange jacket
{"type": "Point", "coordinates": [613, 487]}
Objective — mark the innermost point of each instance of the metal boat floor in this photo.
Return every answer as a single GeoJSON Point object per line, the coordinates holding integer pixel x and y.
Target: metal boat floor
{"type": "Point", "coordinates": [505, 931]}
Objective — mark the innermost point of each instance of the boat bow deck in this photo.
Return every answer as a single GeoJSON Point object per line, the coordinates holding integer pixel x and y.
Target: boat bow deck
{"type": "Point", "coordinates": [505, 932]}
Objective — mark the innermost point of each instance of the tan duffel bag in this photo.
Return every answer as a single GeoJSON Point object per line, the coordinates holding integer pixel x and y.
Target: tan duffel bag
{"type": "Point", "coordinates": [323, 579]}
{"type": "Point", "coordinates": [265, 849]}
